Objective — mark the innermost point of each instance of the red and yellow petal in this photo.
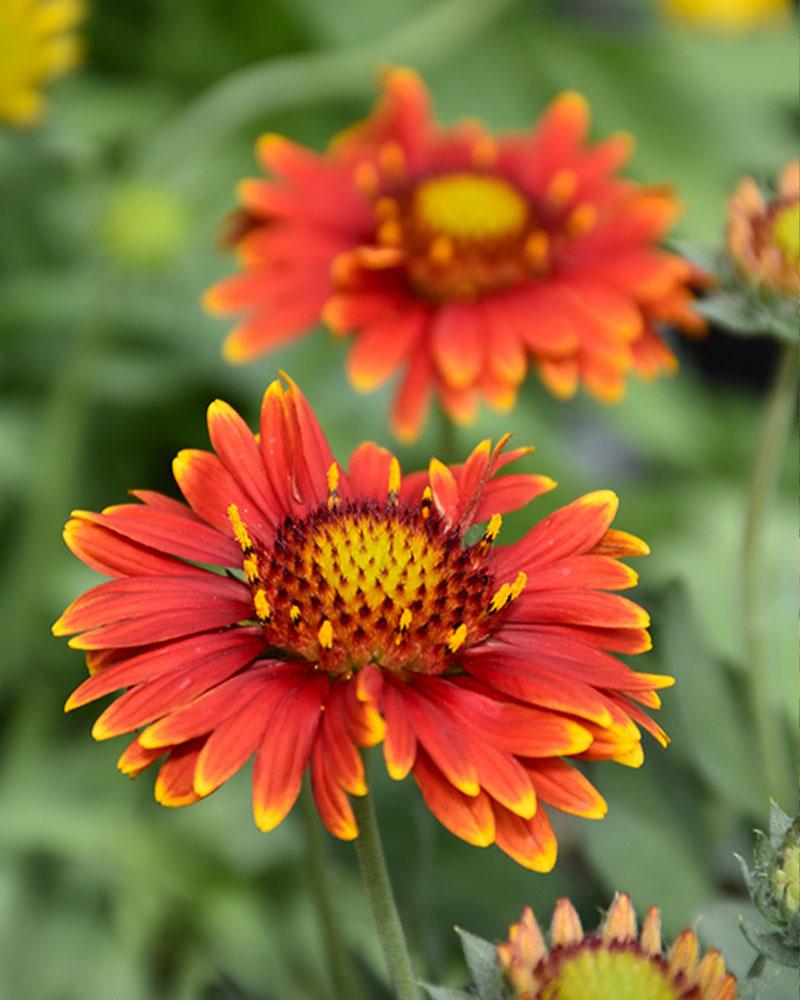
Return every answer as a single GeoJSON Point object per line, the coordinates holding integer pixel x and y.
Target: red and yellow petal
{"type": "Point", "coordinates": [469, 817]}
{"type": "Point", "coordinates": [175, 782]}
{"type": "Point", "coordinates": [331, 801]}
{"type": "Point", "coordinates": [530, 842]}
{"type": "Point", "coordinates": [153, 699]}
{"type": "Point", "coordinates": [283, 756]}
{"type": "Point", "coordinates": [564, 787]}
{"type": "Point", "coordinates": [383, 346]}
{"type": "Point", "coordinates": [236, 737]}
{"type": "Point", "coordinates": [400, 741]}
{"type": "Point", "coordinates": [138, 666]}
{"type": "Point", "coordinates": [571, 530]}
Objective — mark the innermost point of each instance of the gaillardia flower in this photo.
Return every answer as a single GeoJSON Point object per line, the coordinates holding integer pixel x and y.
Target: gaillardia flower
{"type": "Point", "coordinates": [459, 257]}
{"type": "Point", "coordinates": [764, 235]}
{"type": "Point", "coordinates": [614, 963]}
{"type": "Point", "coordinates": [36, 45]}
{"type": "Point", "coordinates": [354, 606]}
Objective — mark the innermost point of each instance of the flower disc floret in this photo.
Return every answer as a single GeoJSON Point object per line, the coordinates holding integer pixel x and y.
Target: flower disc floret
{"type": "Point", "coordinates": [297, 611]}
{"type": "Point", "coordinates": [368, 581]}
{"type": "Point", "coordinates": [463, 234]}
{"type": "Point", "coordinates": [469, 206]}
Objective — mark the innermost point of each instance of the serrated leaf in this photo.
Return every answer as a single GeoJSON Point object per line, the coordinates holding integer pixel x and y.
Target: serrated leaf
{"type": "Point", "coordinates": [772, 944]}
{"type": "Point", "coordinates": [783, 323]}
{"type": "Point", "coordinates": [779, 825]}
{"type": "Point", "coordinates": [481, 958]}
{"type": "Point", "coordinates": [732, 311]}
{"type": "Point", "coordinates": [747, 875]}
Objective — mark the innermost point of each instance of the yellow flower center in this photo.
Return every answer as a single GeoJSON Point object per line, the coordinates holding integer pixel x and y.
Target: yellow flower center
{"type": "Point", "coordinates": [786, 233]}
{"type": "Point", "coordinates": [600, 974]}
{"type": "Point", "coordinates": [470, 206]}
{"type": "Point", "coordinates": [466, 234]}
{"type": "Point", "coordinates": [368, 581]}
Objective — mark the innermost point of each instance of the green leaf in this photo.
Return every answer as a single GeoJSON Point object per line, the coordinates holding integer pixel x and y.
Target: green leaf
{"type": "Point", "coordinates": [750, 314]}
{"type": "Point", "coordinates": [779, 825]}
{"type": "Point", "coordinates": [481, 958]}
{"type": "Point", "coordinates": [711, 722]}
{"type": "Point", "coordinates": [782, 320]}
{"type": "Point", "coordinates": [732, 311]}
{"type": "Point", "coordinates": [772, 944]}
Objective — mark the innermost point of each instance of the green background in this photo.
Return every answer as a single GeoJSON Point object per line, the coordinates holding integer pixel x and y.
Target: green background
{"type": "Point", "coordinates": [108, 220]}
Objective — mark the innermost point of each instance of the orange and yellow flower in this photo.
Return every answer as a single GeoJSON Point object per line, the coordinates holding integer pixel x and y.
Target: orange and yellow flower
{"type": "Point", "coordinates": [37, 44]}
{"type": "Point", "coordinates": [613, 963]}
{"type": "Point", "coordinates": [764, 236]}
{"type": "Point", "coordinates": [357, 606]}
{"type": "Point", "coordinates": [459, 257]}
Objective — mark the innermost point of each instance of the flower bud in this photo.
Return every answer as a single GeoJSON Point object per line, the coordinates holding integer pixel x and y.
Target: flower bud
{"type": "Point", "coordinates": [774, 884]}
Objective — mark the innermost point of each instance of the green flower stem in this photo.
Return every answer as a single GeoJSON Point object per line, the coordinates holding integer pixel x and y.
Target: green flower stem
{"type": "Point", "coordinates": [770, 453]}
{"type": "Point", "coordinates": [381, 900]}
{"type": "Point", "coordinates": [345, 982]}
{"type": "Point", "coordinates": [295, 81]}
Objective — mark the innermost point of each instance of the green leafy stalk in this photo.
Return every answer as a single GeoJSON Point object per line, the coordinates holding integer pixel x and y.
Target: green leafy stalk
{"type": "Point", "coordinates": [769, 457]}
{"type": "Point", "coordinates": [381, 899]}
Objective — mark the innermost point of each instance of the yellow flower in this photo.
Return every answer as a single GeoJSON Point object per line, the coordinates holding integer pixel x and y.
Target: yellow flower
{"type": "Point", "coordinates": [37, 44]}
{"type": "Point", "coordinates": [729, 16]}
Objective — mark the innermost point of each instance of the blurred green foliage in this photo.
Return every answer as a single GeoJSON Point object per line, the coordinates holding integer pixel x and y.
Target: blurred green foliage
{"type": "Point", "coordinates": [108, 219]}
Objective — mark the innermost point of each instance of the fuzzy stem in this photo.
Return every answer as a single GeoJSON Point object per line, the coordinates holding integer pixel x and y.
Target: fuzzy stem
{"type": "Point", "coordinates": [381, 899]}
{"type": "Point", "coordinates": [770, 453]}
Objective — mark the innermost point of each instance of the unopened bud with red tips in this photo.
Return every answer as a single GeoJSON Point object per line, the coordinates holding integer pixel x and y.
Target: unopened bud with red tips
{"type": "Point", "coordinates": [757, 272]}
{"type": "Point", "coordinates": [621, 960]}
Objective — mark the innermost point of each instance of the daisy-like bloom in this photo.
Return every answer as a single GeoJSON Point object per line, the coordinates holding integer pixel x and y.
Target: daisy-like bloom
{"type": "Point", "coordinates": [358, 606]}
{"type": "Point", "coordinates": [729, 16]}
{"type": "Point", "coordinates": [459, 257]}
{"type": "Point", "coordinates": [37, 45]}
{"type": "Point", "coordinates": [764, 236]}
{"type": "Point", "coordinates": [613, 963]}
